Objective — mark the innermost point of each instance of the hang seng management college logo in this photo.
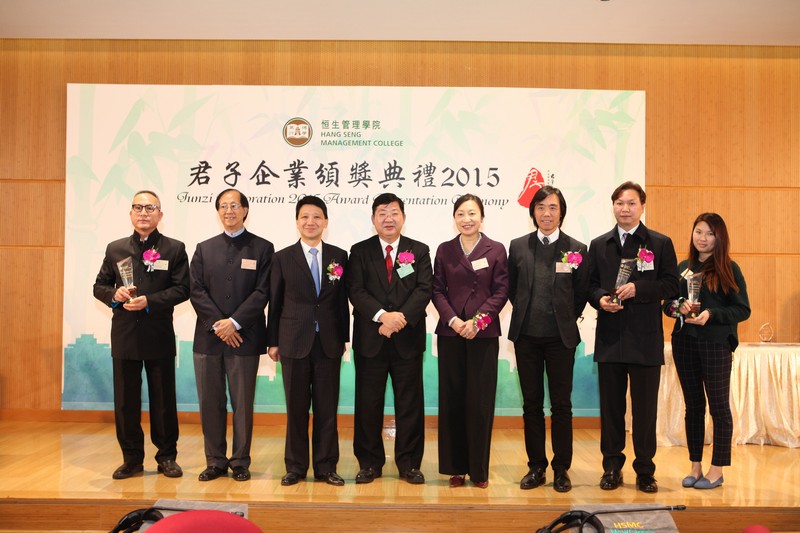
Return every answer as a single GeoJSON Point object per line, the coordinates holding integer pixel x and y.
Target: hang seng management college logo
{"type": "Point", "coordinates": [297, 132]}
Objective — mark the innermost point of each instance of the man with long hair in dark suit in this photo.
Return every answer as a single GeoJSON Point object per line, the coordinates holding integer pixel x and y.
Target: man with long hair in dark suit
{"type": "Point", "coordinates": [307, 328]}
{"type": "Point", "coordinates": [390, 281]}
{"type": "Point", "coordinates": [549, 286]}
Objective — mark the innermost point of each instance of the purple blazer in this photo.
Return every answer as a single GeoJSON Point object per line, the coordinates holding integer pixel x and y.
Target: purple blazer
{"type": "Point", "coordinates": [459, 286]}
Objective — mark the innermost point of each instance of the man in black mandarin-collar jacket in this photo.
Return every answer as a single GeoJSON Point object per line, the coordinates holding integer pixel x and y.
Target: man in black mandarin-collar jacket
{"type": "Point", "coordinates": [389, 339]}
{"type": "Point", "coordinates": [229, 291]}
{"type": "Point", "coordinates": [142, 334]}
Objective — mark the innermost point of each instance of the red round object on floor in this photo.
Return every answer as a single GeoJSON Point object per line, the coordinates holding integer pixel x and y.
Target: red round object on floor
{"type": "Point", "coordinates": [204, 521]}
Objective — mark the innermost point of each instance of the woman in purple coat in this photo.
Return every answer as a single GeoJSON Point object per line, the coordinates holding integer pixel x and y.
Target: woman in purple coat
{"type": "Point", "coordinates": [470, 288]}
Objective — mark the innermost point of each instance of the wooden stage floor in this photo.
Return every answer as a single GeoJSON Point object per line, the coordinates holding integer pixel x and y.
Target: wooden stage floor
{"type": "Point", "coordinates": [57, 477]}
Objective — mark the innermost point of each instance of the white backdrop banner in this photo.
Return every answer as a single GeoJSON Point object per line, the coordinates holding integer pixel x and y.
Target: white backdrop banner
{"type": "Point", "coordinates": [428, 145]}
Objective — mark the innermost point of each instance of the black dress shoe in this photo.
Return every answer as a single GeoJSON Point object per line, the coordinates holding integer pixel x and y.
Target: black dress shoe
{"type": "Point", "coordinates": [534, 478]}
{"type": "Point", "coordinates": [611, 480]}
{"type": "Point", "coordinates": [241, 473]}
{"type": "Point", "coordinates": [127, 470]}
{"type": "Point", "coordinates": [646, 483]}
{"type": "Point", "coordinates": [413, 476]}
{"type": "Point", "coordinates": [561, 481]}
{"type": "Point", "coordinates": [367, 475]}
{"type": "Point", "coordinates": [212, 472]}
{"type": "Point", "coordinates": [331, 478]}
{"type": "Point", "coordinates": [170, 468]}
{"type": "Point", "coordinates": [291, 478]}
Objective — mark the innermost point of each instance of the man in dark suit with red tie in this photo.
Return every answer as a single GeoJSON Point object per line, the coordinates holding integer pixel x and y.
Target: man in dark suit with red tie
{"type": "Point", "coordinates": [308, 326]}
{"type": "Point", "coordinates": [389, 282]}
{"type": "Point", "coordinates": [629, 342]}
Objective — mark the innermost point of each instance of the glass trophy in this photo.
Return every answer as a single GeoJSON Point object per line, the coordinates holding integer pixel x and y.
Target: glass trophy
{"type": "Point", "coordinates": [693, 283]}
{"type": "Point", "coordinates": [623, 275]}
{"type": "Point", "coordinates": [766, 332]}
{"type": "Point", "coordinates": [126, 273]}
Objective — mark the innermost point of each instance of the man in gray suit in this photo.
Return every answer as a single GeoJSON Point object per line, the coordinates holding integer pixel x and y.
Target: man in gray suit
{"type": "Point", "coordinates": [229, 291]}
{"type": "Point", "coordinates": [549, 286]}
{"type": "Point", "coordinates": [308, 326]}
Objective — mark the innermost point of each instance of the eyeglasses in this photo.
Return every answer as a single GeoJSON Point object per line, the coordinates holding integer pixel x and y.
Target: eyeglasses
{"type": "Point", "coordinates": [149, 208]}
{"type": "Point", "coordinates": [233, 207]}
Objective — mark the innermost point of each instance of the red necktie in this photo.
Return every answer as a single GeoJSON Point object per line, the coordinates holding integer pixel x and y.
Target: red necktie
{"type": "Point", "coordinates": [389, 262]}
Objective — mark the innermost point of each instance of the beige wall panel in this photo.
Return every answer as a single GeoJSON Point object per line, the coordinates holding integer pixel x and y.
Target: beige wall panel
{"type": "Point", "coordinates": [716, 115]}
{"type": "Point", "coordinates": [33, 213]}
{"type": "Point", "coordinates": [31, 292]}
{"type": "Point", "coordinates": [753, 216]}
{"type": "Point", "coordinates": [32, 107]}
{"type": "Point", "coordinates": [773, 285]}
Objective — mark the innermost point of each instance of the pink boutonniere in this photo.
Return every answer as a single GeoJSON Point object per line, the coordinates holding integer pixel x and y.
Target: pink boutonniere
{"type": "Point", "coordinates": [405, 258]}
{"type": "Point", "coordinates": [481, 321]}
{"type": "Point", "coordinates": [335, 271]}
{"type": "Point", "coordinates": [149, 257]}
{"type": "Point", "coordinates": [644, 259]}
{"type": "Point", "coordinates": [573, 259]}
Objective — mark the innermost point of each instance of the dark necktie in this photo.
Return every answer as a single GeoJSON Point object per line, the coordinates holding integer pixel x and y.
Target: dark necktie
{"type": "Point", "coordinates": [624, 236]}
{"type": "Point", "coordinates": [545, 241]}
{"type": "Point", "coordinates": [389, 262]}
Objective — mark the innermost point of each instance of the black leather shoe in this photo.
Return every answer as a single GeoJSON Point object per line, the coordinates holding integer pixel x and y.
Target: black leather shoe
{"type": "Point", "coordinates": [561, 481]}
{"type": "Point", "coordinates": [646, 483]}
{"type": "Point", "coordinates": [331, 478]}
{"type": "Point", "coordinates": [532, 479]}
{"type": "Point", "coordinates": [127, 470]}
{"type": "Point", "coordinates": [413, 476]}
{"type": "Point", "coordinates": [367, 475]}
{"type": "Point", "coordinates": [170, 468]}
{"type": "Point", "coordinates": [291, 478]}
{"type": "Point", "coordinates": [241, 473]}
{"type": "Point", "coordinates": [611, 480]}
{"type": "Point", "coordinates": [212, 472]}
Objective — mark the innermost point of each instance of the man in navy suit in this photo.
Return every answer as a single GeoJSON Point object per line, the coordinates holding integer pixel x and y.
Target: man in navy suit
{"type": "Point", "coordinates": [307, 328]}
{"type": "Point", "coordinates": [389, 282]}
{"type": "Point", "coordinates": [549, 284]}
{"type": "Point", "coordinates": [629, 342]}
{"type": "Point", "coordinates": [229, 291]}
{"type": "Point", "coordinates": [142, 334]}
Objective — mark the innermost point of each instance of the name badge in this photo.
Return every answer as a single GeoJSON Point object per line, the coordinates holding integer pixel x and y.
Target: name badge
{"type": "Point", "coordinates": [563, 268]}
{"type": "Point", "coordinates": [480, 263]}
{"type": "Point", "coordinates": [405, 270]}
{"type": "Point", "coordinates": [161, 264]}
{"type": "Point", "coordinates": [248, 264]}
{"type": "Point", "coordinates": [644, 267]}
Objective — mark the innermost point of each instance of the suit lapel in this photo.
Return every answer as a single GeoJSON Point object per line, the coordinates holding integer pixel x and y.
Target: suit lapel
{"type": "Point", "coordinates": [299, 257]}
{"type": "Point", "coordinates": [457, 251]}
{"type": "Point", "coordinates": [403, 245]}
{"type": "Point", "coordinates": [530, 260]}
{"type": "Point", "coordinates": [327, 258]}
{"type": "Point", "coordinates": [478, 252]}
{"type": "Point", "coordinates": [377, 257]}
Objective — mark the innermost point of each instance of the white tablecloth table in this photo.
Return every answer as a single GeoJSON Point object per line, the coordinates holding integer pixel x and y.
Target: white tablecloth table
{"type": "Point", "coordinates": [765, 397]}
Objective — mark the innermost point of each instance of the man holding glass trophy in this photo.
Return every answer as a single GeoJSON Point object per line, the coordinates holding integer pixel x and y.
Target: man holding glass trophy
{"type": "Point", "coordinates": [632, 269]}
{"type": "Point", "coordinates": [142, 278]}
